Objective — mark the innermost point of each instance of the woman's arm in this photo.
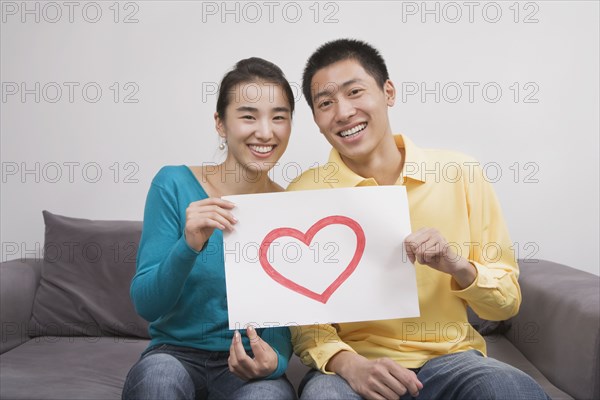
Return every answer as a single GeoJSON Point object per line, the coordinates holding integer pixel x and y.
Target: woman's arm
{"type": "Point", "coordinates": [271, 351]}
{"type": "Point", "coordinates": [280, 340]}
{"type": "Point", "coordinates": [164, 258]}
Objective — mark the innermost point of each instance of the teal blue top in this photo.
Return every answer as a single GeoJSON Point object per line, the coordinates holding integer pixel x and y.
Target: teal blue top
{"type": "Point", "coordinates": [180, 291]}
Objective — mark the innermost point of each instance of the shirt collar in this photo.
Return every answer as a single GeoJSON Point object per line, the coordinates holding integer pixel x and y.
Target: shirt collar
{"type": "Point", "coordinates": [414, 159]}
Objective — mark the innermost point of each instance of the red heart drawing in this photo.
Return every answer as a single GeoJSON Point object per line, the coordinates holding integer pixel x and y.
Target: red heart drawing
{"type": "Point", "coordinates": [306, 238]}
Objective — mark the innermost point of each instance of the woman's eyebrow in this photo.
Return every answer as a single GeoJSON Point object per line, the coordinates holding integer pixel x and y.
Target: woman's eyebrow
{"type": "Point", "coordinates": [247, 109]}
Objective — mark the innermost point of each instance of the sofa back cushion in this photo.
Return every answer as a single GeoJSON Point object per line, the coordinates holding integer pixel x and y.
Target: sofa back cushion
{"type": "Point", "coordinates": [87, 271]}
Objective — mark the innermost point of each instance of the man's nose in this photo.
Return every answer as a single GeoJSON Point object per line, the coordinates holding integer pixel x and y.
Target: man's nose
{"type": "Point", "coordinates": [345, 110]}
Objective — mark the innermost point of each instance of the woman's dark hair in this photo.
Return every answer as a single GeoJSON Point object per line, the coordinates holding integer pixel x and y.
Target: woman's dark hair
{"type": "Point", "coordinates": [251, 70]}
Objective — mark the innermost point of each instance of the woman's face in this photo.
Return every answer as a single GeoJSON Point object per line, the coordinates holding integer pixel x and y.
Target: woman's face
{"type": "Point", "coordinates": [257, 125]}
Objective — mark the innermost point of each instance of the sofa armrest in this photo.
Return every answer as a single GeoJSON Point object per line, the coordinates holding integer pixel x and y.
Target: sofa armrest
{"type": "Point", "coordinates": [19, 280]}
{"type": "Point", "coordinates": [558, 325]}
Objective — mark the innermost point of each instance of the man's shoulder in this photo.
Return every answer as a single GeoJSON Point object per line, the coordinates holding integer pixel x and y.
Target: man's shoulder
{"type": "Point", "coordinates": [447, 156]}
{"type": "Point", "coordinates": [453, 166]}
{"type": "Point", "coordinates": [314, 178]}
{"type": "Point", "coordinates": [420, 154]}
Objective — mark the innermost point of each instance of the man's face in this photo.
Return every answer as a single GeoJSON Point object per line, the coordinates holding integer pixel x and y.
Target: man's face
{"type": "Point", "coordinates": [350, 108]}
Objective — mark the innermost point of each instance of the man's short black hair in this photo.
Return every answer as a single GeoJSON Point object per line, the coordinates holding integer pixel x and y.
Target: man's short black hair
{"type": "Point", "coordinates": [343, 49]}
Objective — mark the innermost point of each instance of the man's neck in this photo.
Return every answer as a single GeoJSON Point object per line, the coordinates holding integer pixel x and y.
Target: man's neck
{"type": "Point", "coordinates": [384, 164]}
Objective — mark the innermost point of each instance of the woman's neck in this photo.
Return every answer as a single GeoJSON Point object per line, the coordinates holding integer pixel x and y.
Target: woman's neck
{"type": "Point", "coordinates": [232, 178]}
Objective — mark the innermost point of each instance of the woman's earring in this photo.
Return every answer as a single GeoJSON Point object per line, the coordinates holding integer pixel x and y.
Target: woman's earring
{"type": "Point", "coordinates": [223, 144]}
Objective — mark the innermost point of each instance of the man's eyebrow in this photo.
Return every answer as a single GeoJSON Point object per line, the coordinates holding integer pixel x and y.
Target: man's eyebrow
{"type": "Point", "coordinates": [281, 109]}
{"type": "Point", "coordinates": [331, 87]}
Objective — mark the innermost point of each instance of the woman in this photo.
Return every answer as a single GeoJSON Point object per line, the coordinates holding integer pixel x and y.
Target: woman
{"type": "Point", "coordinates": [180, 283]}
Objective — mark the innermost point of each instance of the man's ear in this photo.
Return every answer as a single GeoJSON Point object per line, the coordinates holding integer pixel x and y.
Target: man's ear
{"type": "Point", "coordinates": [219, 125]}
{"type": "Point", "coordinates": [390, 92]}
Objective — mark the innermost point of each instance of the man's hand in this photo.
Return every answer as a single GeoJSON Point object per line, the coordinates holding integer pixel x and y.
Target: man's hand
{"type": "Point", "coordinates": [375, 379]}
{"type": "Point", "coordinates": [429, 247]}
{"type": "Point", "coordinates": [264, 362]}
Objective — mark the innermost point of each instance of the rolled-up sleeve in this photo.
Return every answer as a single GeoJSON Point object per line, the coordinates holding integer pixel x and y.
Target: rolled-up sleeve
{"type": "Point", "coordinates": [317, 344]}
{"type": "Point", "coordinates": [495, 293]}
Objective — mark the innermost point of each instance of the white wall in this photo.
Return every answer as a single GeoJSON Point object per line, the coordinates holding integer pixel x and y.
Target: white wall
{"type": "Point", "coordinates": [170, 60]}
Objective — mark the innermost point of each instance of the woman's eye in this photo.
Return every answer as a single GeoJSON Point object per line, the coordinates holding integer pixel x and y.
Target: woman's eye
{"type": "Point", "coordinates": [247, 117]}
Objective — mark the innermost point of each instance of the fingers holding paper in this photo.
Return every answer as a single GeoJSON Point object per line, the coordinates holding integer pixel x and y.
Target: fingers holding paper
{"type": "Point", "coordinates": [204, 216]}
{"type": "Point", "coordinates": [264, 362]}
{"type": "Point", "coordinates": [428, 247]}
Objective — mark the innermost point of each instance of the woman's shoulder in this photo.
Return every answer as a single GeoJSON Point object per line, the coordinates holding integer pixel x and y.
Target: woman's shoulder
{"type": "Point", "coordinates": [170, 175]}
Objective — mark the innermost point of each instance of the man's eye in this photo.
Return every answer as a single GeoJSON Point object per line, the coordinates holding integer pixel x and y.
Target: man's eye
{"type": "Point", "coordinates": [279, 117]}
{"type": "Point", "coordinates": [355, 91]}
{"type": "Point", "coordinates": [325, 103]}
{"type": "Point", "coordinates": [247, 117]}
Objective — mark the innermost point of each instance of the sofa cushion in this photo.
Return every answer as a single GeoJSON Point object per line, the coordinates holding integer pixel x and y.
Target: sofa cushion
{"type": "Point", "coordinates": [87, 270]}
{"type": "Point", "coordinates": [18, 284]}
{"type": "Point", "coordinates": [558, 327]}
{"type": "Point", "coordinates": [486, 327]}
{"type": "Point", "coordinates": [500, 348]}
{"type": "Point", "coordinates": [69, 367]}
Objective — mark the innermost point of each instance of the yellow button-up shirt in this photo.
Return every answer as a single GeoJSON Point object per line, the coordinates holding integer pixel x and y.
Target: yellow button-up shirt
{"type": "Point", "coordinates": [447, 191]}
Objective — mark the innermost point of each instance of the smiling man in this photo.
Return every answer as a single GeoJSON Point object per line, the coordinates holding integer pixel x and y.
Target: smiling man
{"type": "Point", "coordinates": [459, 244]}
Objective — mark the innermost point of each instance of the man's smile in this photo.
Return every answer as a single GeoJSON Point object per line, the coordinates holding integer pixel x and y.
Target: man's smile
{"type": "Point", "coordinates": [353, 131]}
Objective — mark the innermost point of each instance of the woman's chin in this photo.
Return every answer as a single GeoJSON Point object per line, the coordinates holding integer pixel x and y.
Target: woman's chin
{"type": "Point", "coordinates": [254, 170]}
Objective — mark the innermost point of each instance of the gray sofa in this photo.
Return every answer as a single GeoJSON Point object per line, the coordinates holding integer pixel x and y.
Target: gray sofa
{"type": "Point", "coordinates": [69, 330]}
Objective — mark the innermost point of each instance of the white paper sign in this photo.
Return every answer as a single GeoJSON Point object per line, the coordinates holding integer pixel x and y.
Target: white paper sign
{"type": "Point", "coordinates": [320, 256]}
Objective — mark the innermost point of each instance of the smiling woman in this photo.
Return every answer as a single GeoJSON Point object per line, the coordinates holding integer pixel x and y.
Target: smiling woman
{"type": "Point", "coordinates": [256, 126]}
{"type": "Point", "coordinates": [179, 286]}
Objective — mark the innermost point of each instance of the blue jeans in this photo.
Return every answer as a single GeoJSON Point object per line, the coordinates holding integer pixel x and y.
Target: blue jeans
{"type": "Point", "coordinates": [174, 372]}
{"type": "Point", "coordinates": [466, 375]}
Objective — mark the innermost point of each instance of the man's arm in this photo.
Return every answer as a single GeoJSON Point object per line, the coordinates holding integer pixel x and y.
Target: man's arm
{"type": "Point", "coordinates": [487, 278]}
{"type": "Point", "coordinates": [320, 347]}
{"type": "Point", "coordinates": [317, 344]}
{"type": "Point", "coordinates": [373, 379]}
{"type": "Point", "coordinates": [495, 294]}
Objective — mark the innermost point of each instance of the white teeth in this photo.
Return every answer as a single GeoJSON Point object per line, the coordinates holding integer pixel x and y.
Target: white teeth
{"type": "Point", "coordinates": [261, 149]}
{"type": "Point", "coordinates": [353, 131]}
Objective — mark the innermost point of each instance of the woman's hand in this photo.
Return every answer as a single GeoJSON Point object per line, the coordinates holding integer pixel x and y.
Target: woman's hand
{"type": "Point", "coordinates": [264, 362]}
{"type": "Point", "coordinates": [203, 217]}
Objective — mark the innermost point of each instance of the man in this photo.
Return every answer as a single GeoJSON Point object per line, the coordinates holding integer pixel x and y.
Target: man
{"type": "Point", "coordinates": [459, 245]}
